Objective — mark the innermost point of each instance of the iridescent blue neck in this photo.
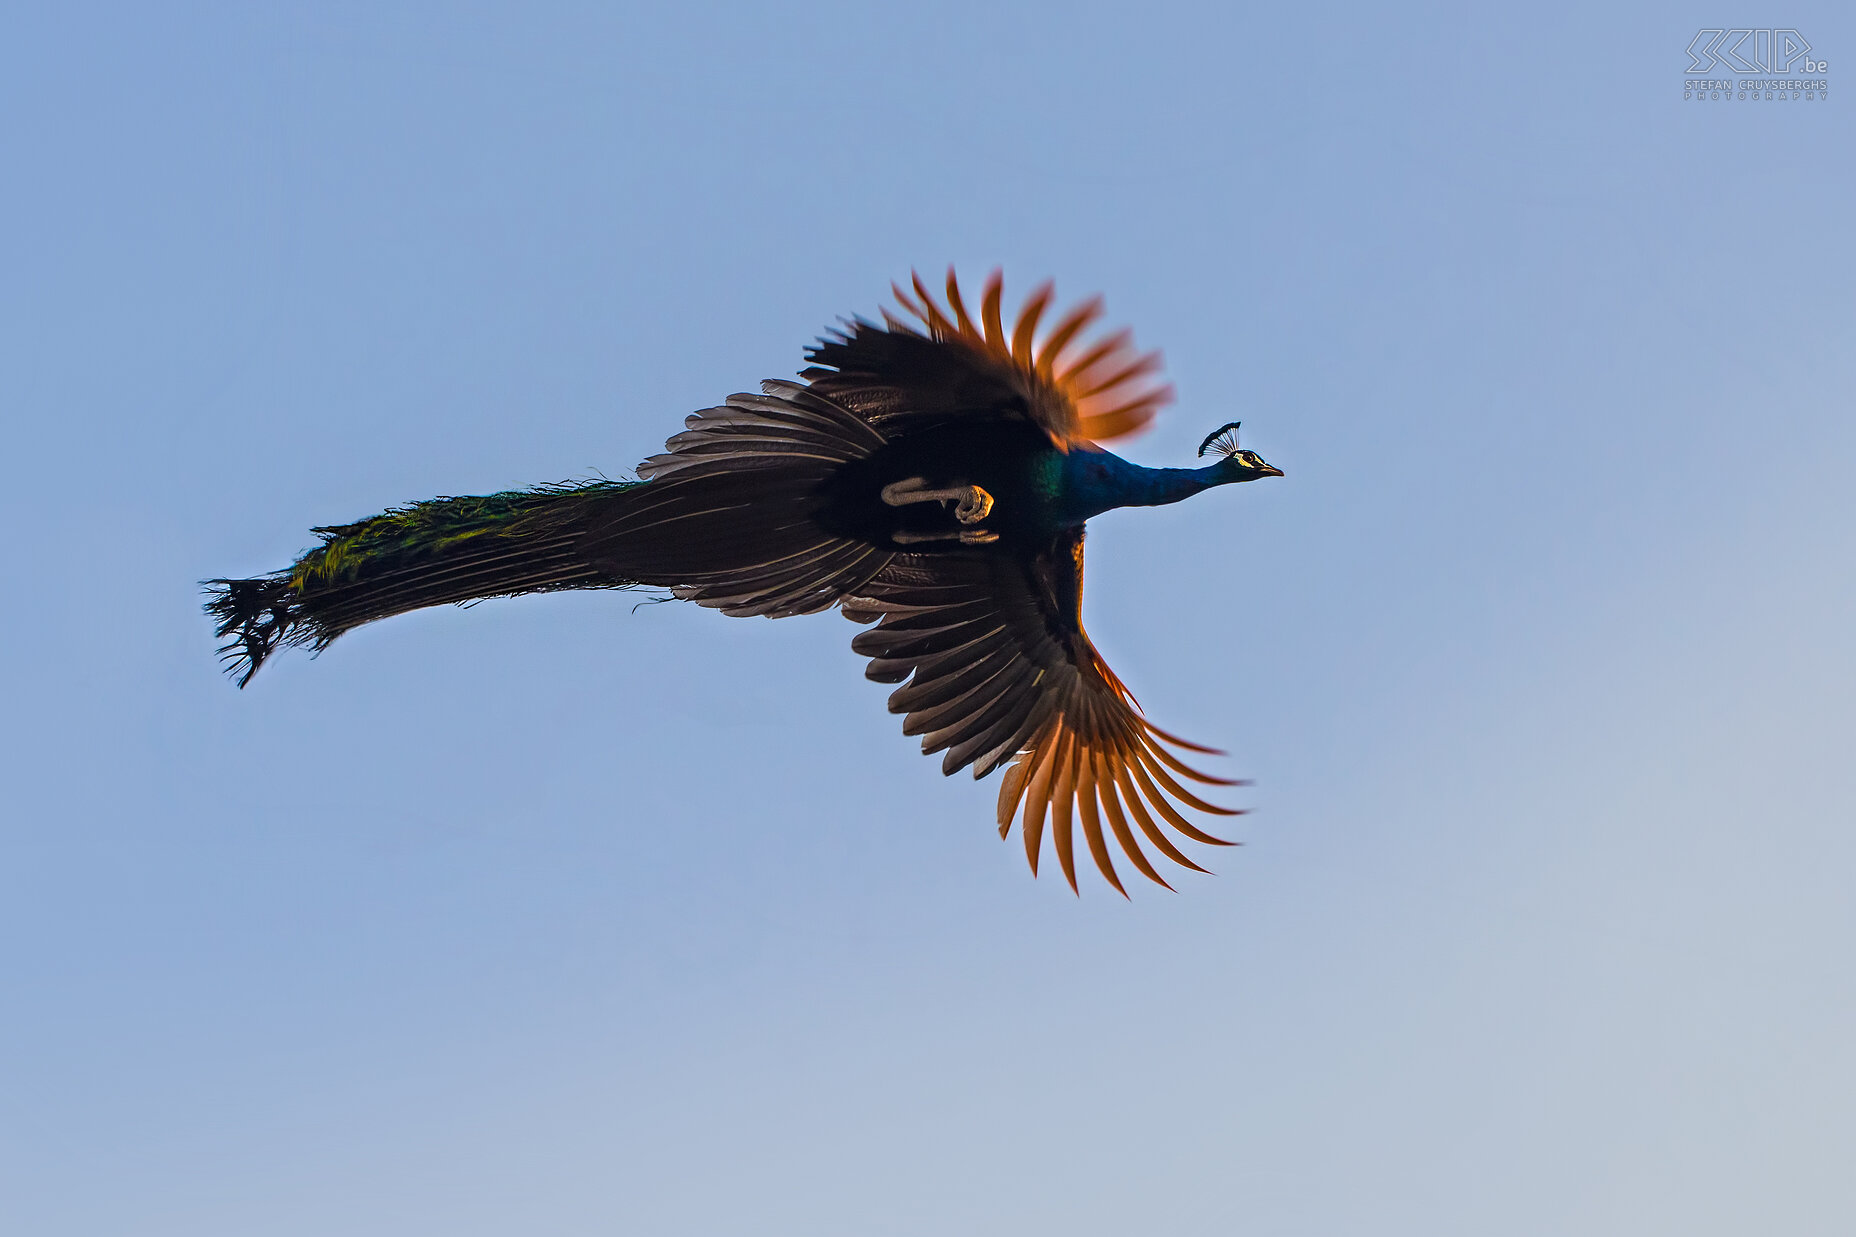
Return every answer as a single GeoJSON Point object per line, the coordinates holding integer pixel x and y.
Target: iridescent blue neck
{"type": "Point", "coordinates": [1096, 481]}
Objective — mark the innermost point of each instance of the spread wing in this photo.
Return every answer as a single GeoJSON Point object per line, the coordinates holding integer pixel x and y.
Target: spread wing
{"type": "Point", "coordinates": [903, 377]}
{"type": "Point", "coordinates": [998, 666]}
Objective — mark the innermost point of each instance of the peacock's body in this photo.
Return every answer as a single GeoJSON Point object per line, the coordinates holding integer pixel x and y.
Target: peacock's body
{"type": "Point", "coordinates": [933, 481]}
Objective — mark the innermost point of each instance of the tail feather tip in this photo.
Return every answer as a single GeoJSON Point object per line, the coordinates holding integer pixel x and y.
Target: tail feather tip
{"type": "Point", "coordinates": [253, 617]}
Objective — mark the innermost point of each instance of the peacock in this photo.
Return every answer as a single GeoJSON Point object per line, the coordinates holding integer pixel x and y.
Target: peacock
{"type": "Point", "coordinates": [931, 476]}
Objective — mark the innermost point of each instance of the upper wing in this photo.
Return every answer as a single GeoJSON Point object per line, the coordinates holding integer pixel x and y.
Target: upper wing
{"type": "Point", "coordinates": [1001, 668]}
{"type": "Point", "coordinates": [900, 379]}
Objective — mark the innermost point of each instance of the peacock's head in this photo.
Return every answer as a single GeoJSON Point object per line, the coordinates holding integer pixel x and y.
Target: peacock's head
{"type": "Point", "coordinates": [1238, 463]}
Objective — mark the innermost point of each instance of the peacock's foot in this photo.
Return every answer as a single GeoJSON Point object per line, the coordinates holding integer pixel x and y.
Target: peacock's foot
{"type": "Point", "coordinates": [973, 503]}
{"type": "Point", "coordinates": [975, 506]}
{"type": "Point", "coordinates": [966, 536]}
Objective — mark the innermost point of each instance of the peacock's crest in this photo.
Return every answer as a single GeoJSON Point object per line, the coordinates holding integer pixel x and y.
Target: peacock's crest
{"type": "Point", "coordinates": [1221, 441]}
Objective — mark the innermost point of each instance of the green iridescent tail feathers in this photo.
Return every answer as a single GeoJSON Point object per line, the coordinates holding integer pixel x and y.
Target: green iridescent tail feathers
{"type": "Point", "coordinates": [423, 554]}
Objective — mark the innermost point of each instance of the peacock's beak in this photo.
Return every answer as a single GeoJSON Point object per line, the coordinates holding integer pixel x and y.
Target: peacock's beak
{"type": "Point", "coordinates": [1270, 470]}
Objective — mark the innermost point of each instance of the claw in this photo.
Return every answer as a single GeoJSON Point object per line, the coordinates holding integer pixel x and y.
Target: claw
{"type": "Point", "coordinates": [974, 506]}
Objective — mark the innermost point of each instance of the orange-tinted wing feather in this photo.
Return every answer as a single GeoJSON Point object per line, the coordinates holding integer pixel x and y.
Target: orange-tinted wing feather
{"type": "Point", "coordinates": [946, 364]}
{"type": "Point", "coordinates": [999, 669]}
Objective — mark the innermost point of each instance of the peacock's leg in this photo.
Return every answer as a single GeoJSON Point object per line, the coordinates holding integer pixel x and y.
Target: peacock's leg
{"type": "Point", "coordinates": [974, 503]}
{"type": "Point", "coordinates": [966, 536]}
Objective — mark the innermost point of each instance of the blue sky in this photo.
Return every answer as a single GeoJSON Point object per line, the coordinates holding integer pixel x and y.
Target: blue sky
{"type": "Point", "coordinates": [552, 916]}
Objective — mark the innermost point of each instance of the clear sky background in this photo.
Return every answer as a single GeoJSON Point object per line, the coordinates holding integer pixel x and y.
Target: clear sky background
{"type": "Point", "coordinates": [551, 917]}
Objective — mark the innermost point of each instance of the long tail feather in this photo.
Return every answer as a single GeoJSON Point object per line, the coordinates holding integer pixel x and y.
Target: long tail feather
{"type": "Point", "coordinates": [725, 517]}
{"type": "Point", "coordinates": [424, 554]}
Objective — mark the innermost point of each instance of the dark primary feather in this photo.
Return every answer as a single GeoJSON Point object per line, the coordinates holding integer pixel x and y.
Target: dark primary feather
{"type": "Point", "coordinates": [904, 381]}
{"type": "Point", "coordinates": [774, 504]}
{"type": "Point", "coordinates": [999, 668]}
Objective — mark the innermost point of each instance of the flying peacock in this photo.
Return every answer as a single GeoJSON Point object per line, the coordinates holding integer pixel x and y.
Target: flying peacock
{"type": "Point", "coordinates": [930, 475]}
